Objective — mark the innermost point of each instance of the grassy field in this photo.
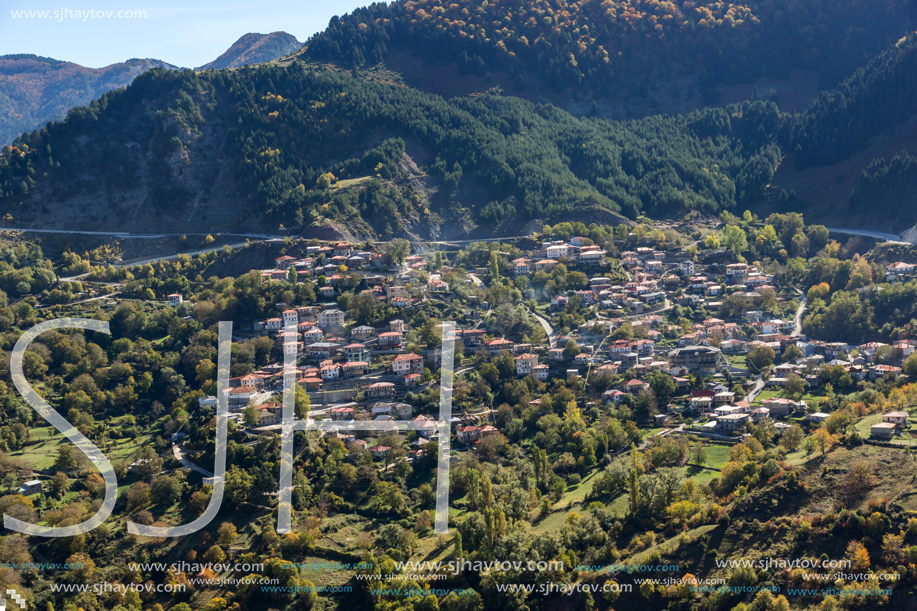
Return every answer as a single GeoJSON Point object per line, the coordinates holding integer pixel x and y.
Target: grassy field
{"type": "Point", "coordinates": [768, 394]}
{"type": "Point", "coordinates": [42, 455]}
{"type": "Point", "coordinates": [553, 522]}
{"type": "Point", "coordinates": [700, 476]}
{"type": "Point", "coordinates": [643, 556]}
{"type": "Point", "coordinates": [798, 457]}
{"type": "Point", "coordinates": [350, 182]}
{"type": "Point", "coordinates": [344, 531]}
{"type": "Point", "coordinates": [825, 480]}
{"type": "Point", "coordinates": [717, 455]}
{"type": "Point", "coordinates": [315, 571]}
{"type": "Point", "coordinates": [573, 500]}
{"type": "Point", "coordinates": [863, 425]}
{"type": "Point", "coordinates": [620, 504]}
{"type": "Point", "coordinates": [577, 496]}
{"type": "Point", "coordinates": [908, 502]}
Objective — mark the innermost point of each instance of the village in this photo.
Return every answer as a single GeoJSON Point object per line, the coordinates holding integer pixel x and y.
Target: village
{"type": "Point", "coordinates": [716, 378]}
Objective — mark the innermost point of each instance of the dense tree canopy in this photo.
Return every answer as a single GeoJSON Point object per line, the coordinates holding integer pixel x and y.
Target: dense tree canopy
{"type": "Point", "coordinates": [600, 44]}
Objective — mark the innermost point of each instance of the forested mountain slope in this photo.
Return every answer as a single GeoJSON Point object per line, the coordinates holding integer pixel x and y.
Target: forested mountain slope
{"type": "Point", "coordinates": [850, 152]}
{"type": "Point", "coordinates": [609, 47]}
{"type": "Point", "coordinates": [273, 131]}
{"type": "Point", "coordinates": [302, 146]}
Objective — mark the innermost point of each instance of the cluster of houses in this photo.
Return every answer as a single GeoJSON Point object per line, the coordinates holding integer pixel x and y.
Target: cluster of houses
{"type": "Point", "coordinates": [466, 427]}
{"type": "Point", "coordinates": [340, 256]}
{"type": "Point", "coordinates": [642, 291]}
{"type": "Point", "coordinates": [726, 416]}
{"type": "Point", "coordinates": [332, 256]}
{"type": "Point", "coordinates": [655, 278]}
{"type": "Point", "coordinates": [551, 253]}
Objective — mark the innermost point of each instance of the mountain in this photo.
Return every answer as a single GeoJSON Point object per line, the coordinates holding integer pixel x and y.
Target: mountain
{"type": "Point", "coordinates": [255, 49]}
{"type": "Point", "coordinates": [312, 147]}
{"type": "Point", "coordinates": [303, 146]}
{"type": "Point", "coordinates": [848, 159]}
{"type": "Point", "coordinates": [630, 56]}
{"type": "Point", "coordinates": [35, 90]}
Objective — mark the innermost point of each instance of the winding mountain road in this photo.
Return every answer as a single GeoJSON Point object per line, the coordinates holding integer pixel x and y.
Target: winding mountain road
{"type": "Point", "coordinates": [179, 453]}
{"type": "Point", "coordinates": [869, 233]}
{"type": "Point", "coordinates": [142, 236]}
{"type": "Point", "coordinates": [548, 329]}
{"type": "Point", "coordinates": [190, 253]}
{"type": "Point", "coordinates": [797, 330]}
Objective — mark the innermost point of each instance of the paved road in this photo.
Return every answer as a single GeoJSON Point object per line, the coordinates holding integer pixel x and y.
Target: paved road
{"type": "Point", "coordinates": [179, 453]}
{"type": "Point", "coordinates": [643, 444]}
{"type": "Point", "coordinates": [109, 296]}
{"type": "Point", "coordinates": [797, 331]}
{"type": "Point", "coordinates": [759, 381]}
{"type": "Point", "coordinates": [891, 237]}
{"type": "Point", "coordinates": [757, 388]}
{"type": "Point", "coordinates": [151, 236]}
{"type": "Point", "coordinates": [666, 306]}
{"type": "Point", "coordinates": [142, 236]}
{"type": "Point", "coordinates": [190, 253]}
{"type": "Point", "coordinates": [451, 242]}
{"type": "Point", "coordinates": [548, 329]}
{"type": "Point", "coordinates": [73, 278]}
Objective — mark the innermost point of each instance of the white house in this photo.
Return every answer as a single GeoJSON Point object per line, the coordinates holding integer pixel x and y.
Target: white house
{"type": "Point", "coordinates": [522, 266]}
{"type": "Point", "coordinates": [883, 430]}
{"type": "Point", "coordinates": [208, 402]}
{"type": "Point", "coordinates": [817, 417]}
{"type": "Point", "coordinates": [525, 363]}
{"type": "Point", "coordinates": [732, 422]}
{"type": "Point", "coordinates": [762, 413]}
{"type": "Point", "coordinates": [30, 487]}
{"type": "Point", "coordinates": [557, 251]}
{"type": "Point", "coordinates": [240, 396]}
{"type": "Point", "coordinates": [290, 317]}
{"type": "Point", "coordinates": [896, 270]}
{"type": "Point", "coordinates": [330, 318]}
{"type": "Point", "coordinates": [897, 418]}
{"type": "Point", "coordinates": [592, 256]}
{"type": "Point", "coordinates": [613, 394]}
